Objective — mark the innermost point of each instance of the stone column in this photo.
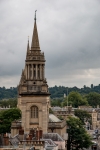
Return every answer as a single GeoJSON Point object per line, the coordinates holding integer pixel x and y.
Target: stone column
{"type": "Point", "coordinates": [36, 71]}
{"type": "Point", "coordinates": [44, 118]}
{"type": "Point", "coordinates": [43, 72]}
{"type": "Point", "coordinates": [40, 72]}
{"type": "Point", "coordinates": [32, 72]}
{"type": "Point", "coordinates": [27, 71]}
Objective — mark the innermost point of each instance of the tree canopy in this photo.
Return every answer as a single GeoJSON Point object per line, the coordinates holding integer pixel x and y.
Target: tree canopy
{"type": "Point", "coordinates": [77, 135]}
{"type": "Point", "coordinates": [56, 91]}
{"type": "Point", "coordinates": [9, 103]}
{"type": "Point", "coordinates": [93, 99]}
{"type": "Point", "coordinates": [75, 99]}
{"type": "Point", "coordinates": [6, 117]}
{"type": "Point", "coordinates": [86, 95]}
{"type": "Point", "coordinates": [8, 93]}
{"type": "Point", "coordinates": [83, 115]}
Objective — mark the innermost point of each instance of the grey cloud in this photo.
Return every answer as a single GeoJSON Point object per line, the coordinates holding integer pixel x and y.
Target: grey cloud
{"type": "Point", "coordinates": [69, 35]}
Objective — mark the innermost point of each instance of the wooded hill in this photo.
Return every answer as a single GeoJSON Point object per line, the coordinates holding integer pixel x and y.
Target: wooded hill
{"type": "Point", "coordinates": [56, 91]}
{"type": "Point", "coordinates": [8, 93]}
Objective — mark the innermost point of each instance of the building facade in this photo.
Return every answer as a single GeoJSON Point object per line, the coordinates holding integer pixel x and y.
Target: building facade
{"type": "Point", "coordinates": [33, 94]}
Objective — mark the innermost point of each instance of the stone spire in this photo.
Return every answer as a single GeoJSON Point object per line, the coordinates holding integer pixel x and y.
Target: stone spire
{"type": "Point", "coordinates": [35, 40]}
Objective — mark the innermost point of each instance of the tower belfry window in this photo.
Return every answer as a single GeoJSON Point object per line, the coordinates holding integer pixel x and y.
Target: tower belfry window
{"type": "Point", "coordinates": [34, 112]}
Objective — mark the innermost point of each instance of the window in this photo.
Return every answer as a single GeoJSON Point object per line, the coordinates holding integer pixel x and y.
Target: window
{"type": "Point", "coordinates": [34, 112]}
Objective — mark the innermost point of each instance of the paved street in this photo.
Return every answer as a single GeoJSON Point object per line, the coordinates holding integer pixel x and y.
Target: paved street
{"type": "Point", "coordinates": [95, 139]}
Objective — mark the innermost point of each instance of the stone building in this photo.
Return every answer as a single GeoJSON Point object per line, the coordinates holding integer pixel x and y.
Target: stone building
{"type": "Point", "coordinates": [63, 112]}
{"type": "Point", "coordinates": [95, 114]}
{"type": "Point", "coordinates": [33, 94]}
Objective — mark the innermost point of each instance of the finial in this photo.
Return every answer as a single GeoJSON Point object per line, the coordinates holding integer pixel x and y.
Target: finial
{"type": "Point", "coordinates": [35, 15]}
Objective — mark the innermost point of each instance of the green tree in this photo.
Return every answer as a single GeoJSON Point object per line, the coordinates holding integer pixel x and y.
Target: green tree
{"type": "Point", "coordinates": [93, 99]}
{"type": "Point", "coordinates": [6, 117]}
{"type": "Point", "coordinates": [10, 102]}
{"type": "Point", "coordinates": [56, 102]}
{"type": "Point", "coordinates": [75, 99]}
{"type": "Point", "coordinates": [83, 115]}
{"type": "Point", "coordinates": [77, 135]}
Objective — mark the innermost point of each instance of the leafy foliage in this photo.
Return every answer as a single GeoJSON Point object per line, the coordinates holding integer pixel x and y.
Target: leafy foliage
{"type": "Point", "coordinates": [86, 95]}
{"type": "Point", "coordinates": [75, 99]}
{"type": "Point", "coordinates": [56, 102]}
{"type": "Point", "coordinates": [78, 137]}
{"type": "Point", "coordinates": [6, 117]}
{"type": "Point", "coordinates": [58, 92]}
{"type": "Point", "coordinates": [9, 103]}
{"type": "Point", "coordinates": [83, 115]}
{"type": "Point", "coordinates": [8, 93]}
{"type": "Point", "coordinates": [93, 99]}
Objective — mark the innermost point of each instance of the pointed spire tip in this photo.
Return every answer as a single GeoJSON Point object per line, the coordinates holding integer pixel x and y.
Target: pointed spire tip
{"type": "Point", "coordinates": [35, 15]}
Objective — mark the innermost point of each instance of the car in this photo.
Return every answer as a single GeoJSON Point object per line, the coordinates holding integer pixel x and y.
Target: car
{"type": "Point", "coordinates": [94, 136]}
{"type": "Point", "coordinates": [96, 131]}
{"type": "Point", "coordinates": [94, 145]}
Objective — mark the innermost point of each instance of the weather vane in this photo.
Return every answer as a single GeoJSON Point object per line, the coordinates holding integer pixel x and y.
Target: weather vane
{"type": "Point", "coordinates": [35, 15]}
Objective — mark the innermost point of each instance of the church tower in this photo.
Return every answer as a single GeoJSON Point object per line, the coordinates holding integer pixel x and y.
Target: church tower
{"type": "Point", "coordinates": [33, 94]}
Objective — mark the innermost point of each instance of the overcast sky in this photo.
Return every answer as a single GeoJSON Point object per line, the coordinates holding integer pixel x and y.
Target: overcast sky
{"type": "Point", "coordinates": [69, 35]}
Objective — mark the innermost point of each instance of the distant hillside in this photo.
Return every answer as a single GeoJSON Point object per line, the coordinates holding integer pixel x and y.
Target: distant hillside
{"type": "Point", "coordinates": [56, 92]}
{"type": "Point", "coordinates": [8, 93]}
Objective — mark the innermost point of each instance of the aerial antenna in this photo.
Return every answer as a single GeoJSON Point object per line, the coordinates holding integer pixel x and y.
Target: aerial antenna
{"type": "Point", "coordinates": [35, 15]}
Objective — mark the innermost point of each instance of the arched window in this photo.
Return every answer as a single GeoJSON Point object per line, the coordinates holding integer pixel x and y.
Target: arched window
{"type": "Point", "coordinates": [34, 112]}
